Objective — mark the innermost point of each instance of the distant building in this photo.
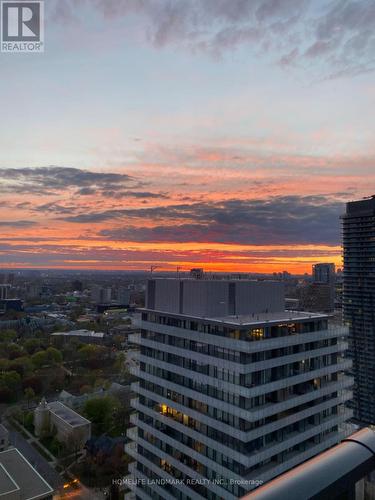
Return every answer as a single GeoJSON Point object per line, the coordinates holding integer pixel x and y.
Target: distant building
{"type": "Point", "coordinates": [77, 285]}
{"type": "Point", "coordinates": [101, 295]}
{"type": "Point", "coordinates": [316, 297]}
{"type": "Point", "coordinates": [4, 438]}
{"type": "Point", "coordinates": [7, 278]}
{"type": "Point", "coordinates": [359, 301]}
{"type": "Point", "coordinates": [70, 427]}
{"type": "Point", "coordinates": [284, 276]}
{"type": "Point", "coordinates": [19, 480]}
{"type": "Point", "coordinates": [85, 336]}
{"type": "Point", "coordinates": [10, 305]}
{"type": "Point", "coordinates": [4, 289]}
{"type": "Point", "coordinates": [324, 273]}
{"type": "Point", "coordinates": [33, 291]}
{"type": "Point", "coordinates": [197, 273]}
{"type": "Point", "coordinates": [123, 296]}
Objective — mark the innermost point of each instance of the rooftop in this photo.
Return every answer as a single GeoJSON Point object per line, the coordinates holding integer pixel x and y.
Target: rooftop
{"type": "Point", "coordinates": [69, 416]}
{"type": "Point", "coordinates": [252, 319]}
{"type": "Point", "coordinates": [361, 207]}
{"type": "Point", "coordinates": [272, 317]}
{"type": "Point", "coordinates": [17, 474]}
{"type": "Point", "coordinates": [80, 333]}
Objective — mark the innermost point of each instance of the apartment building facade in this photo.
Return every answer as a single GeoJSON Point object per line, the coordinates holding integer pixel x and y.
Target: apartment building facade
{"type": "Point", "coordinates": [227, 403]}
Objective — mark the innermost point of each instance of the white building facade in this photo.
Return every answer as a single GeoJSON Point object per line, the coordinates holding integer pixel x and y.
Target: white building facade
{"type": "Point", "coordinates": [227, 403]}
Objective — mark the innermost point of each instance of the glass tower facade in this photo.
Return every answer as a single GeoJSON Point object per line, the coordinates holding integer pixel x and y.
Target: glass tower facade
{"type": "Point", "coordinates": [359, 302]}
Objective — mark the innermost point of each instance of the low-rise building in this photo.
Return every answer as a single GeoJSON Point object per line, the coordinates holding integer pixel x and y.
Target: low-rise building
{"type": "Point", "coordinates": [85, 336]}
{"type": "Point", "coordinates": [121, 392]}
{"type": "Point", "coordinates": [19, 480]}
{"type": "Point", "coordinates": [70, 427]}
{"type": "Point", "coordinates": [10, 305]}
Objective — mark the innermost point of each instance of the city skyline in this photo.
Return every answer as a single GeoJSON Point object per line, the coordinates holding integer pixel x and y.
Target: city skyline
{"type": "Point", "coordinates": [187, 134]}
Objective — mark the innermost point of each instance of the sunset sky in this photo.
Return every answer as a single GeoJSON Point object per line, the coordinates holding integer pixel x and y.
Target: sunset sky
{"type": "Point", "coordinates": [224, 134]}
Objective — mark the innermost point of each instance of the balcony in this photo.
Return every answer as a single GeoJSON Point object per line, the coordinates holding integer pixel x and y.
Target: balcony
{"type": "Point", "coordinates": [180, 466]}
{"type": "Point", "coordinates": [343, 414]}
{"type": "Point", "coordinates": [134, 417]}
{"type": "Point", "coordinates": [256, 456]}
{"type": "Point", "coordinates": [331, 475]}
{"type": "Point", "coordinates": [245, 391]}
{"type": "Point", "coordinates": [240, 368]}
{"type": "Point", "coordinates": [168, 478]}
{"type": "Point", "coordinates": [250, 415]}
{"type": "Point", "coordinates": [256, 391]}
{"type": "Point", "coordinates": [247, 346]}
{"type": "Point", "coordinates": [132, 433]}
{"type": "Point", "coordinates": [131, 450]}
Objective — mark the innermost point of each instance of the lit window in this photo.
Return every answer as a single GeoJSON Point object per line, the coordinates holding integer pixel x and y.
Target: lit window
{"type": "Point", "coordinates": [256, 333]}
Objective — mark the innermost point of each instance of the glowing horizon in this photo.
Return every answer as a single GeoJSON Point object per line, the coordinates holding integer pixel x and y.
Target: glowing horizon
{"type": "Point", "coordinates": [192, 136]}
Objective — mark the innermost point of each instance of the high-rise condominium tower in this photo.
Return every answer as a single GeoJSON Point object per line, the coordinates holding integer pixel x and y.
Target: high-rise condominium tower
{"type": "Point", "coordinates": [359, 301]}
{"type": "Point", "coordinates": [232, 389]}
{"type": "Point", "coordinates": [324, 273]}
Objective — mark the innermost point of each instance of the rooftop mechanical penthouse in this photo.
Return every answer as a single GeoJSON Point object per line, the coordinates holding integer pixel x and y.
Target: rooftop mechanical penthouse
{"type": "Point", "coordinates": [232, 390]}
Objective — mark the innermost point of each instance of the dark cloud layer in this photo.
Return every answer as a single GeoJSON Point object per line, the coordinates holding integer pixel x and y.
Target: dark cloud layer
{"type": "Point", "coordinates": [284, 220]}
{"type": "Point", "coordinates": [51, 180]}
{"type": "Point", "coordinates": [17, 223]}
{"type": "Point", "coordinates": [56, 180]}
{"type": "Point", "coordinates": [340, 34]}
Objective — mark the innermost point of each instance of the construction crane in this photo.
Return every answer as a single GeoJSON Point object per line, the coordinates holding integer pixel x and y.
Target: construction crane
{"type": "Point", "coordinates": [152, 269]}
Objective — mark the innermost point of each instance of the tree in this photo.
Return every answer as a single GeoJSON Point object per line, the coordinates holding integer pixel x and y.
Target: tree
{"type": "Point", "coordinates": [4, 365]}
{"type": "Point", "coordinates": [118, 341]}
{"type": "Point", "coordinates": [29, 395]}
{"type": "Point", "coordinates": [6, 395]}
{"type": "Point", "coordinates": [119, 364]}
{"type": "Point", "coordinates": [101, 411]}
{"type": "Point", "coordinates": [76, 312]}
{"type": "Point", "coordinates": [34, 382]}
{"type": "Point", "coordinates": [54, 355]}
{"type": "Point", "coordinates": [92, 355]}
{"type": "Point", "coordinates": [11, 380]}
{"type": "Point", "coordinates": [40, 359]}
{"type": "Point", "coordinates": [14, 351]}
{"type": "Point", "coordinates": [22, 365]}
{"type": "Point", "coordinates": [8, 335]}
{"type": "Point", "coordinates": [32, 345]}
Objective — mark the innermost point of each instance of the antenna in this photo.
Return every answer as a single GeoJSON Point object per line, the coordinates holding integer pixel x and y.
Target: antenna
{"type": "Point", "coordinates": [178, 269]}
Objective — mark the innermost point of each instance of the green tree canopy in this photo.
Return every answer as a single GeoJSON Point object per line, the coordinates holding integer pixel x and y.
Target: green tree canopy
{"type": "Point", "coordinates": [101, 412]}
{"type": "Point", "coordinates": [54, 355]}
{"type": "Point", "coordinates": [8, 335]}
{"type": "Point", "coordinates": [40, 359]}
{"type": "Point", "coordinates": [11, 380]}
{"type": "Point", "coordinates": [32, 345]}
{"type": "Point", "coordinates": [29, 394]}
